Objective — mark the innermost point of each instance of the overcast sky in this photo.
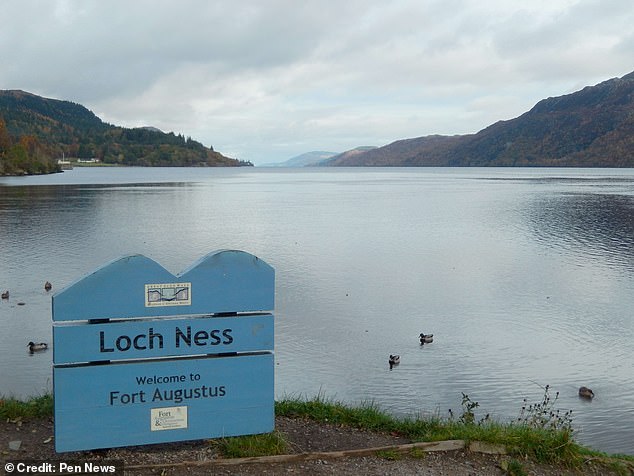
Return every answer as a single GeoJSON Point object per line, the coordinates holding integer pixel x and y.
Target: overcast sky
{"type": "Point", "coordinates": [266, 80]}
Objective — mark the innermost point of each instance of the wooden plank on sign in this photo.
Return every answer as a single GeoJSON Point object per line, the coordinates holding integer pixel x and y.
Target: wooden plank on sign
{"type": "Point", "coordinates": [133, 403]}
{"type": "Point", "coordinates": [136, 286]}
{"type": "Point", "coordinates": [154, 338]}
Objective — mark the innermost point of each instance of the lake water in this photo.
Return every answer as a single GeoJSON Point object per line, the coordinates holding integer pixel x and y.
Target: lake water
{"type": "Point", "coordinates": [524, 276]}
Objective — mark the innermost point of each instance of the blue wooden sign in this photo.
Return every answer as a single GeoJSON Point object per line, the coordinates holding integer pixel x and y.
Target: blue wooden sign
{"type": "Point", "coordinates": [221, 282]}
{"type": "Point", "coordinates": [152, 338]}
{"type": "Point", "coordinates": [135, 403]}
{"type": "Point", "coordinates": [143, 356]}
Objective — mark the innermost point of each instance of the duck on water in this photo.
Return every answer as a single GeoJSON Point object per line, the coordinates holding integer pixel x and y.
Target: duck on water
{"type": "Point", "coordinates": [585, 392]}
{"type": "Point", "coordinates": [33, 347]}
{"type": "Point", "coordinates": [426, 338]}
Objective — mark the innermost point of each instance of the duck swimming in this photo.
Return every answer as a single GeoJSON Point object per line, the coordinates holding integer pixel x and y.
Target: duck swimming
{"type": "Point", "coordinates": [426, 338]}
{"type": "Point", "coordinates": [33, 347]}
{"type": "Point", "coordinates": [5, 295]}
{"type": "Point", "coordinates": [585, 392]}
{"type": "Point", "coordinates": [48, 286]}
{"type": "Point", "coordinates": [394, 360]}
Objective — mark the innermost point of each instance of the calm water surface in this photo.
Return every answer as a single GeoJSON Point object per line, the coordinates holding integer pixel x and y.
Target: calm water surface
{"type": "Point", "coordinates": [524, 276]}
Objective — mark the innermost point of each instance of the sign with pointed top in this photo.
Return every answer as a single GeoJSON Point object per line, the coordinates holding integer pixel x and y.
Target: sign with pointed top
{"type": "Point", "coordinates": [143, 356]}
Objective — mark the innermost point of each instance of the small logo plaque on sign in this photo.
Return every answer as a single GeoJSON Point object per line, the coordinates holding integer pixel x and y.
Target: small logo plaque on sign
{"type": "Point", "coordinates": [170, 294]}
{"type": "Point", "coordinates": [168, 418]}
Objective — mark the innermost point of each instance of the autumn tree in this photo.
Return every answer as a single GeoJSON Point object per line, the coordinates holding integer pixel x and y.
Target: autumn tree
{"type": "Point", "coordinates": [26, 156]}
{"type": "Point", "coordinates": [5, 139]}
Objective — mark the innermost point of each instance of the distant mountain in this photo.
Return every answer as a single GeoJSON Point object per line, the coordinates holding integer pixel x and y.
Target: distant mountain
{"type": "Point", "coordinates": [63, 128]}
{"type": "Point", "coordinates": [593, 127]}
{"type": "Point", "coordinates": [304, 160]}
{"type": "Point", "coordinates": [349, 155]}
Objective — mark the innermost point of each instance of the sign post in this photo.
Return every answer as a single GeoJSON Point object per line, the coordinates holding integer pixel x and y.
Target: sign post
{"type": "Point", "coordinates": [141, 356]}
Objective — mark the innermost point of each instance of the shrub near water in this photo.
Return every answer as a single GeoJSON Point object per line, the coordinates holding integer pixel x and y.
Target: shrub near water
{"type": "Point", "coordinates": [541, 431]}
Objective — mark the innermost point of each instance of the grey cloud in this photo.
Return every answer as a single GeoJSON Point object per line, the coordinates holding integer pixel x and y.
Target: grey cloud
{"type": "Point", "coordinates": [266, 79]}
{"type": "Point", "coordinates": [122, 47]}
{"type": "Point", "coordinates": [581, 39]}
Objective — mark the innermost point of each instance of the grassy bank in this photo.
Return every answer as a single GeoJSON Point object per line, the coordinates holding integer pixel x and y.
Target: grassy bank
{"type": "Point", "coordinates": [552, 446]}
{"type": "Point", "coordinates": [35, 407]}
{"type": "Point", "coordinates": [541, 433]}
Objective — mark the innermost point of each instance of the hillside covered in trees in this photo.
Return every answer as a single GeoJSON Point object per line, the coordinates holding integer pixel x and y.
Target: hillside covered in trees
{"type": "Point", "coordinates": [593, 127]}
{"type": "Point", "coordinates": [62, 128]}
{"type": "Point", "coordinates": [24, 155]}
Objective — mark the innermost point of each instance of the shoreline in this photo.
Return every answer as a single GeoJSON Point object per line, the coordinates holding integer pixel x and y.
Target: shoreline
{"type": "Point", "coordinates": [318, 435]}
{"type": "Point", "coordinates": [313, 448]}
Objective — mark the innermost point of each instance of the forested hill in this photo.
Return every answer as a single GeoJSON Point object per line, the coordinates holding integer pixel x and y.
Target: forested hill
{"type": "Point", "coordinates": [63, 128]}
{"type": "Point", "coordinates": [593, 127]}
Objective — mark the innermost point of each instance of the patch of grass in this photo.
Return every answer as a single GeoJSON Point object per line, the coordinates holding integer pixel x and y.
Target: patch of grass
{"type": "Point", "coordinates": [546, 446]}
{"type": "Point", "coordinates": [513, 467]}
{"type": "Point", "coordinates": [367, 416]}
{"type": "Point", "coordinates": [619, 463]}
{"type": "Point", "coordinates": [389, 455]}
{"type": "Point", "coordinates": [418, 453]}
{"type": "Point", "coordinates": [266, 444]}
{"type": "Point", "coordinates": [36, 407]}
{"type": "Point", "coordinates": [621, 468]}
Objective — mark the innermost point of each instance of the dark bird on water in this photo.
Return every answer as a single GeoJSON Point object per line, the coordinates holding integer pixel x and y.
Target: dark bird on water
{"type": "Point", "coordinates": [585, 392]}
{"type": "Point", "coordinates": [394, 360]}
{"type": "Point", "coordinates": [426, 338]}
{"type": "Point", "coordinates": [33, 347]}
{"type": "Point", "coordinates": [48, 286]}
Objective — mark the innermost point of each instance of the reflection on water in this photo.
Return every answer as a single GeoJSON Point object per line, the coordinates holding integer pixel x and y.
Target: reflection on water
{"type": "Point", "coordinates": [525, 277]}
{"type": "Point", "coordinates": [599, 225]}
